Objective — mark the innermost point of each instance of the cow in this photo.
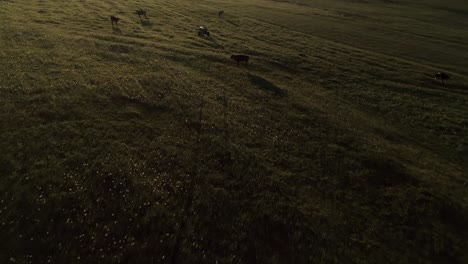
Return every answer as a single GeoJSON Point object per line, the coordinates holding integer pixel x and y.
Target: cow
{"type": "Point", "coordinates": [442, 76]}
{"type": "Point", "coordinates": [203, 31]}
{"type": "Point", "coordinates": [220, 13]}
{"type": "Point", "coordinates": [239, 58]}
{"type": "Point", "coordinates": [114, 20]}
{"type": "Point", "coordinates": [140, 13]}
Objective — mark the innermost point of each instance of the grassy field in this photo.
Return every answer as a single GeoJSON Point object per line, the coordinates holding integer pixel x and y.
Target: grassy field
{"type": "Point", "coordinates": [146, 144]}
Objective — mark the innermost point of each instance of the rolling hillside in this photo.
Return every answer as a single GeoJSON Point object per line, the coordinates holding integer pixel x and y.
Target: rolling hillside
{"type": "Point", "coordinates": [144, 143]}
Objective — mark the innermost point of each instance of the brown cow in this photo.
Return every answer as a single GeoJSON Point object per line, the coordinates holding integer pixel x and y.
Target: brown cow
{"type": "Point", "coordinates": [140, 13]}
{"type": "Point", "coordinates": [114, 20]}
{"type": "Point", "coordinates": [239, 58]}
{"type": "Point", "coordinates": [220, 13]}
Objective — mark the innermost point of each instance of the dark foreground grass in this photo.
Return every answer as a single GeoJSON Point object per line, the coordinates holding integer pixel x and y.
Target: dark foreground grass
{"type": "Point", "coordinates": [148, 145]}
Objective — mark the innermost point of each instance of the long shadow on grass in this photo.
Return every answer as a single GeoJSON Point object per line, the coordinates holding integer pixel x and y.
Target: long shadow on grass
{"type": "Point", "coordinates": [116, 30]}
{"type": "Point", "coordinates": [215, 43]}
{"type": "Point", "coordinates": [146, 23]}
{"type": "Point", "coordinates": [134, 108]}
{"type": "Point", "coordinates": [232, 23]}
{"type": "Point", "coordinates": [266, 85]}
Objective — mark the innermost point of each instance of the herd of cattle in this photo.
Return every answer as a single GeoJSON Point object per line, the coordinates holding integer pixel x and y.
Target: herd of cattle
{"type": "Point", "coordinates": [203, 32]}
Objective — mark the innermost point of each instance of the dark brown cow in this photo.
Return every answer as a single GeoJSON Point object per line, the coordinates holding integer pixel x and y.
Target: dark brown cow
{"type": "Point", "coordinates": [114, 20]}
{"type": "Point", "coordinates": [239, 58]}
{"type": "Point", "coordinates": [442, 76]}
{"type": "Point", "coordinates": [140, 13]}
{"type": "Point", "coordinates": [220, 13]}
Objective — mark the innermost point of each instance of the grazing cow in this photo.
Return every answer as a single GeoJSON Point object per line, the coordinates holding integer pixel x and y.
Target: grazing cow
{"type": "Point", "coordinates": [140, 13]}
{"type": "Point", "coordinates": [442, 76]}
{"type": "Point", "coordinates": [220, 13]}
{"type": "Point", "coordinates": [203, 31]}
{"type": "Point", "coordinates": [239, 58]}
{"type": "Point", "coordinates": [114, 20]}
